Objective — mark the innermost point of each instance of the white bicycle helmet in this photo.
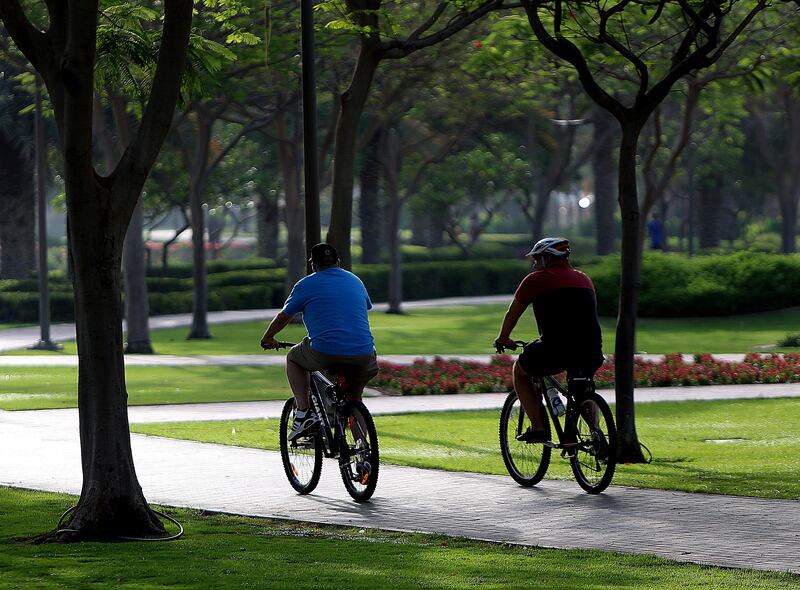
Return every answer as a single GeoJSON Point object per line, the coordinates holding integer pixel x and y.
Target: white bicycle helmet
{"type": "Point", "coordinates": [558, 247]}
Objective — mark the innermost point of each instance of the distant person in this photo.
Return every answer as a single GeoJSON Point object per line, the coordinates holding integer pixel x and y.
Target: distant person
{"type": "Point", "coordinates": [655, 227]}
{"type": "Point", "coordinates": [565, 306]}
{"type": "Point", "coordinates": [334, 303]}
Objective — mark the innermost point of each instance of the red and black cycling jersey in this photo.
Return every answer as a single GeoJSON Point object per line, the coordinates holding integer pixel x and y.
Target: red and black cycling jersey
{"type": "Point", "coordinates": [565, 307]}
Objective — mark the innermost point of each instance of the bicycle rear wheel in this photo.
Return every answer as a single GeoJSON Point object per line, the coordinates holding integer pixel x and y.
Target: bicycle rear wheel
{"type": "Point", "coordinates": [526, 462]}
{"type": "Point", "coordinates": [359, 457]}
{"type": "Point", "coordinates": [302, 459]}
{"type": "Point", "coordinates": [595, 459]}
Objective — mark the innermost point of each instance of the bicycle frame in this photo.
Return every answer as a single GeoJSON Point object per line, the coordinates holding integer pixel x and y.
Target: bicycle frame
{"type": "Point", "coordinates": [570, 416]}
{"type": "Point", "coordinates": [322, 386]}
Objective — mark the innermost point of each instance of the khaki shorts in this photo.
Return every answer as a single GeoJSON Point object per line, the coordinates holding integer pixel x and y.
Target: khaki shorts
{"type": "Point", "coordinates": [357, 369]}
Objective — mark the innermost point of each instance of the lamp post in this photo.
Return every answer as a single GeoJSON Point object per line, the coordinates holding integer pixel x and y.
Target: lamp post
{"type": "Point", "coordinates": [310, 151]}
{"type": "Point", "coordinates": [41, 169]}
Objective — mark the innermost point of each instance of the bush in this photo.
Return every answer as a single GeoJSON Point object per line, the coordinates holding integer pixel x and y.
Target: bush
{"type": "Point", "coordinates": [183, 271]}
{"type": "Point", "coordinates": [715, 285]}
{"type": "Point", "coordinates": [790, 341]}
{"type": "Point", "coordinates": [24, 307]}
{"type": "Point", "coordinates": [432, 280]}
{"type": "Point", "coordinates": [672, 285]}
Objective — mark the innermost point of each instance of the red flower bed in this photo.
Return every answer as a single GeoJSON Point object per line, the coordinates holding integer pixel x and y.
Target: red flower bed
{"type": "Point", "coordinates": [455, 376]}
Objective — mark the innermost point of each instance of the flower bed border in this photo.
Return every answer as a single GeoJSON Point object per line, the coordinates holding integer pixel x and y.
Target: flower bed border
{"type": "Point", "coordinates": [449, 376]}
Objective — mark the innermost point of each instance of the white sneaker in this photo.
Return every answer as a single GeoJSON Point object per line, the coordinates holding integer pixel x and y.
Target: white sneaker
{"type": "Point", "coordinates": [304, 422]}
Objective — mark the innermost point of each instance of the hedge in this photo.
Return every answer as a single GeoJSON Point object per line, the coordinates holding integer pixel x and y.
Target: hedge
{"type": "Point", "coordinates": [672, 286]}
{"type": "Point", "coordinates": [714, 285]}
{"type": "Point", "coordinates": [184, 271]}
{"type": "Point", "coordinates": [24, 307]}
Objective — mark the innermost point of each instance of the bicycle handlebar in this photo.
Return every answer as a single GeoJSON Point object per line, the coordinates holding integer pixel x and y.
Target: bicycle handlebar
{"type": "Point", "coordinates": [282, 345]}
{"type": "Point", "coordinates": [517, 344]}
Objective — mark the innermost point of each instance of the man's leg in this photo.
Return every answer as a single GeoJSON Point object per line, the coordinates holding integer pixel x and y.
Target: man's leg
{"type": "Point", "coordinates": [529, 396]}
{"type": "Point", "coordinates": [299, 381]}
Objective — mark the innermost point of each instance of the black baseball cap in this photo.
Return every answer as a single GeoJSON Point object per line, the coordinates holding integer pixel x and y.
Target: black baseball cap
{"type": "Point", "coordinates": [324, 255]}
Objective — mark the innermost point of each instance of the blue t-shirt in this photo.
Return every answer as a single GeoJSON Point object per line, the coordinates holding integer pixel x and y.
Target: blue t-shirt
{"type": "Point", "coordinates": [334, 303]}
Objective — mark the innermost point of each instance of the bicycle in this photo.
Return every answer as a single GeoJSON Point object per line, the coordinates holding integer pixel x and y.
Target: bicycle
{"type": "Point", "coordinates": [588, 437]}
{"type": "Point", "coordinates": [347, 433]}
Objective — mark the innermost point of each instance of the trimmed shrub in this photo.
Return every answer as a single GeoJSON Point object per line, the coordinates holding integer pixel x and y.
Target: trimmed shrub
{"type": "Point", "coordinates": [715, 285]}
{"type": "Point", "coordinates": [183, 271]}
{"type": "Point", "coordinates": [175, 302]}
{"type": "Point", "coordinates": [672, 285]}
{"type": "Point", "coordinates": [24, 307]}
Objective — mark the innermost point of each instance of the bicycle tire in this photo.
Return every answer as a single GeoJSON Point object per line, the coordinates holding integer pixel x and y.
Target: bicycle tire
{"type": "Point", "coordinates": [303, 466]}
{"type": "Point", "coordinates": [359, 458]}
{"type": "Point", "coordinates": [595, 458]}
{"type": "Point", "coordinates": [526, 462]}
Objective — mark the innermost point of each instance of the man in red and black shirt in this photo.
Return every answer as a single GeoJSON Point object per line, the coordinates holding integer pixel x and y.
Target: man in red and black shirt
{"type": "Point", "coordinates": [565, 307]}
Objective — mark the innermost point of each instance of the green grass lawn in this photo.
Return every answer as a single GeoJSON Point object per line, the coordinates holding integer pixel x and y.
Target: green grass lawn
{"type": "Point", "coordinates": [34, 388]}
{"type": "Point", "coordinates": [221, 551]}
{"type": "Point", "coordinates": [472, 329]}
{"type": "Point", "coordinates": [763, 459]}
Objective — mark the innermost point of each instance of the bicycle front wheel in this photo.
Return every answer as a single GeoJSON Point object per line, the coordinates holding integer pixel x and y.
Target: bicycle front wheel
{"type": "Point", "coordinates": [526, 462]}
{"type": "Point", "coordinates": [596, 452]}
{"type": "Point", "coordinates": [302, 459]}
{"type": "Point", "coordinates": [359, 457]}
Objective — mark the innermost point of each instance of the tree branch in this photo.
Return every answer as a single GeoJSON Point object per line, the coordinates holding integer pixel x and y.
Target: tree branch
{"type": "Point", "coordinates": [401, 49]}
{"type": "Point", "coordinates": [33, 43]}
{"type": "Point", "coordinates": [567, 51]}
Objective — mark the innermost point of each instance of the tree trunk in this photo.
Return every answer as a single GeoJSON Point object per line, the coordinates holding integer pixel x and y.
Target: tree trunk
{"type": "Point", "coordinates": [267, 225]}
{"type": "Point", "coordinates": [437, 226]}
{"type": "Point", "coordinates": [789, 193]}
{"type": "Point", "coordinates": [629, 449]}
{"type": "Point", "coordinates": [420, 228]}
{"type": "Point", "coordinates": [216, 227]}
{"type": "Point", "coordinates": [291, 164]}
{"type": "Point", "coordinates": [710, 204]}
{"type": "Point", "coordinates": [392, 172]}
{"type": "Point", "coordinates": [112, 502]}
{"type": "Point", "coordinates": [199, 329]}
{"type": "Point", "coordinates": [137, 309]}
{"type": "Point", "coordinates": [539, 214]}
{"type": "Point", "coordinates": [18, 219]}
{"type": "Point", "coordinates": [134, 269]}
{"type": "Point", "coordinates": [98, 213]}
{"type": "Point", "coordinates": [350, 109]}
{"type": "Point", "coordinates": [789, 222]}
{"type": "Point", "coordinates": [603, 171]}
{"type": "Point", "coordinates": [197, 186]}
{"type": "Point", "coordinates": [369, 205]}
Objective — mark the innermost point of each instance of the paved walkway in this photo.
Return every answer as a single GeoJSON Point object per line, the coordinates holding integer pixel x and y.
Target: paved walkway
{"type": "Point", "coordinates": [41, 451]}
{"type": "Point", "coordinates": [430, 403]}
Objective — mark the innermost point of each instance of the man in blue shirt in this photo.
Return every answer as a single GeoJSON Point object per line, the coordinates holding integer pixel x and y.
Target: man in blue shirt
{"type": "Point", "coordinates": [334, 303]}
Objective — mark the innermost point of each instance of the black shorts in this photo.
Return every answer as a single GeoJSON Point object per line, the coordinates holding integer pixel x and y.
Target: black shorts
{"type": "Point", "coordinates": [539, 360]}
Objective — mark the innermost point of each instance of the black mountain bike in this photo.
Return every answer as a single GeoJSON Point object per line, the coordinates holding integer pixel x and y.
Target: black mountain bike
{"type": "Point", "coordinates": [587, 439]}
{"type": "Point", "coordinates": [347, 433]}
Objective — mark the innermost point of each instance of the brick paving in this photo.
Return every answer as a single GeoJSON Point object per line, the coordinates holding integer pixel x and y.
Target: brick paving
{"type": "Point", "coordinates": [41, 451]}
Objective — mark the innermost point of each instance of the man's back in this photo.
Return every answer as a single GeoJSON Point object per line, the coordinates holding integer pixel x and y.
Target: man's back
{"type": "Point", "coordinates": [565, 307]}
{"type": "Point", "coordinates": [334, 303]}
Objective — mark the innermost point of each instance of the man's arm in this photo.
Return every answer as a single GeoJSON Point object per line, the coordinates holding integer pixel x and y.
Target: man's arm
{"type": "Point", "coordinates": [278, 323]}
{"type": "Point", "coordinates": [515, 311]}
